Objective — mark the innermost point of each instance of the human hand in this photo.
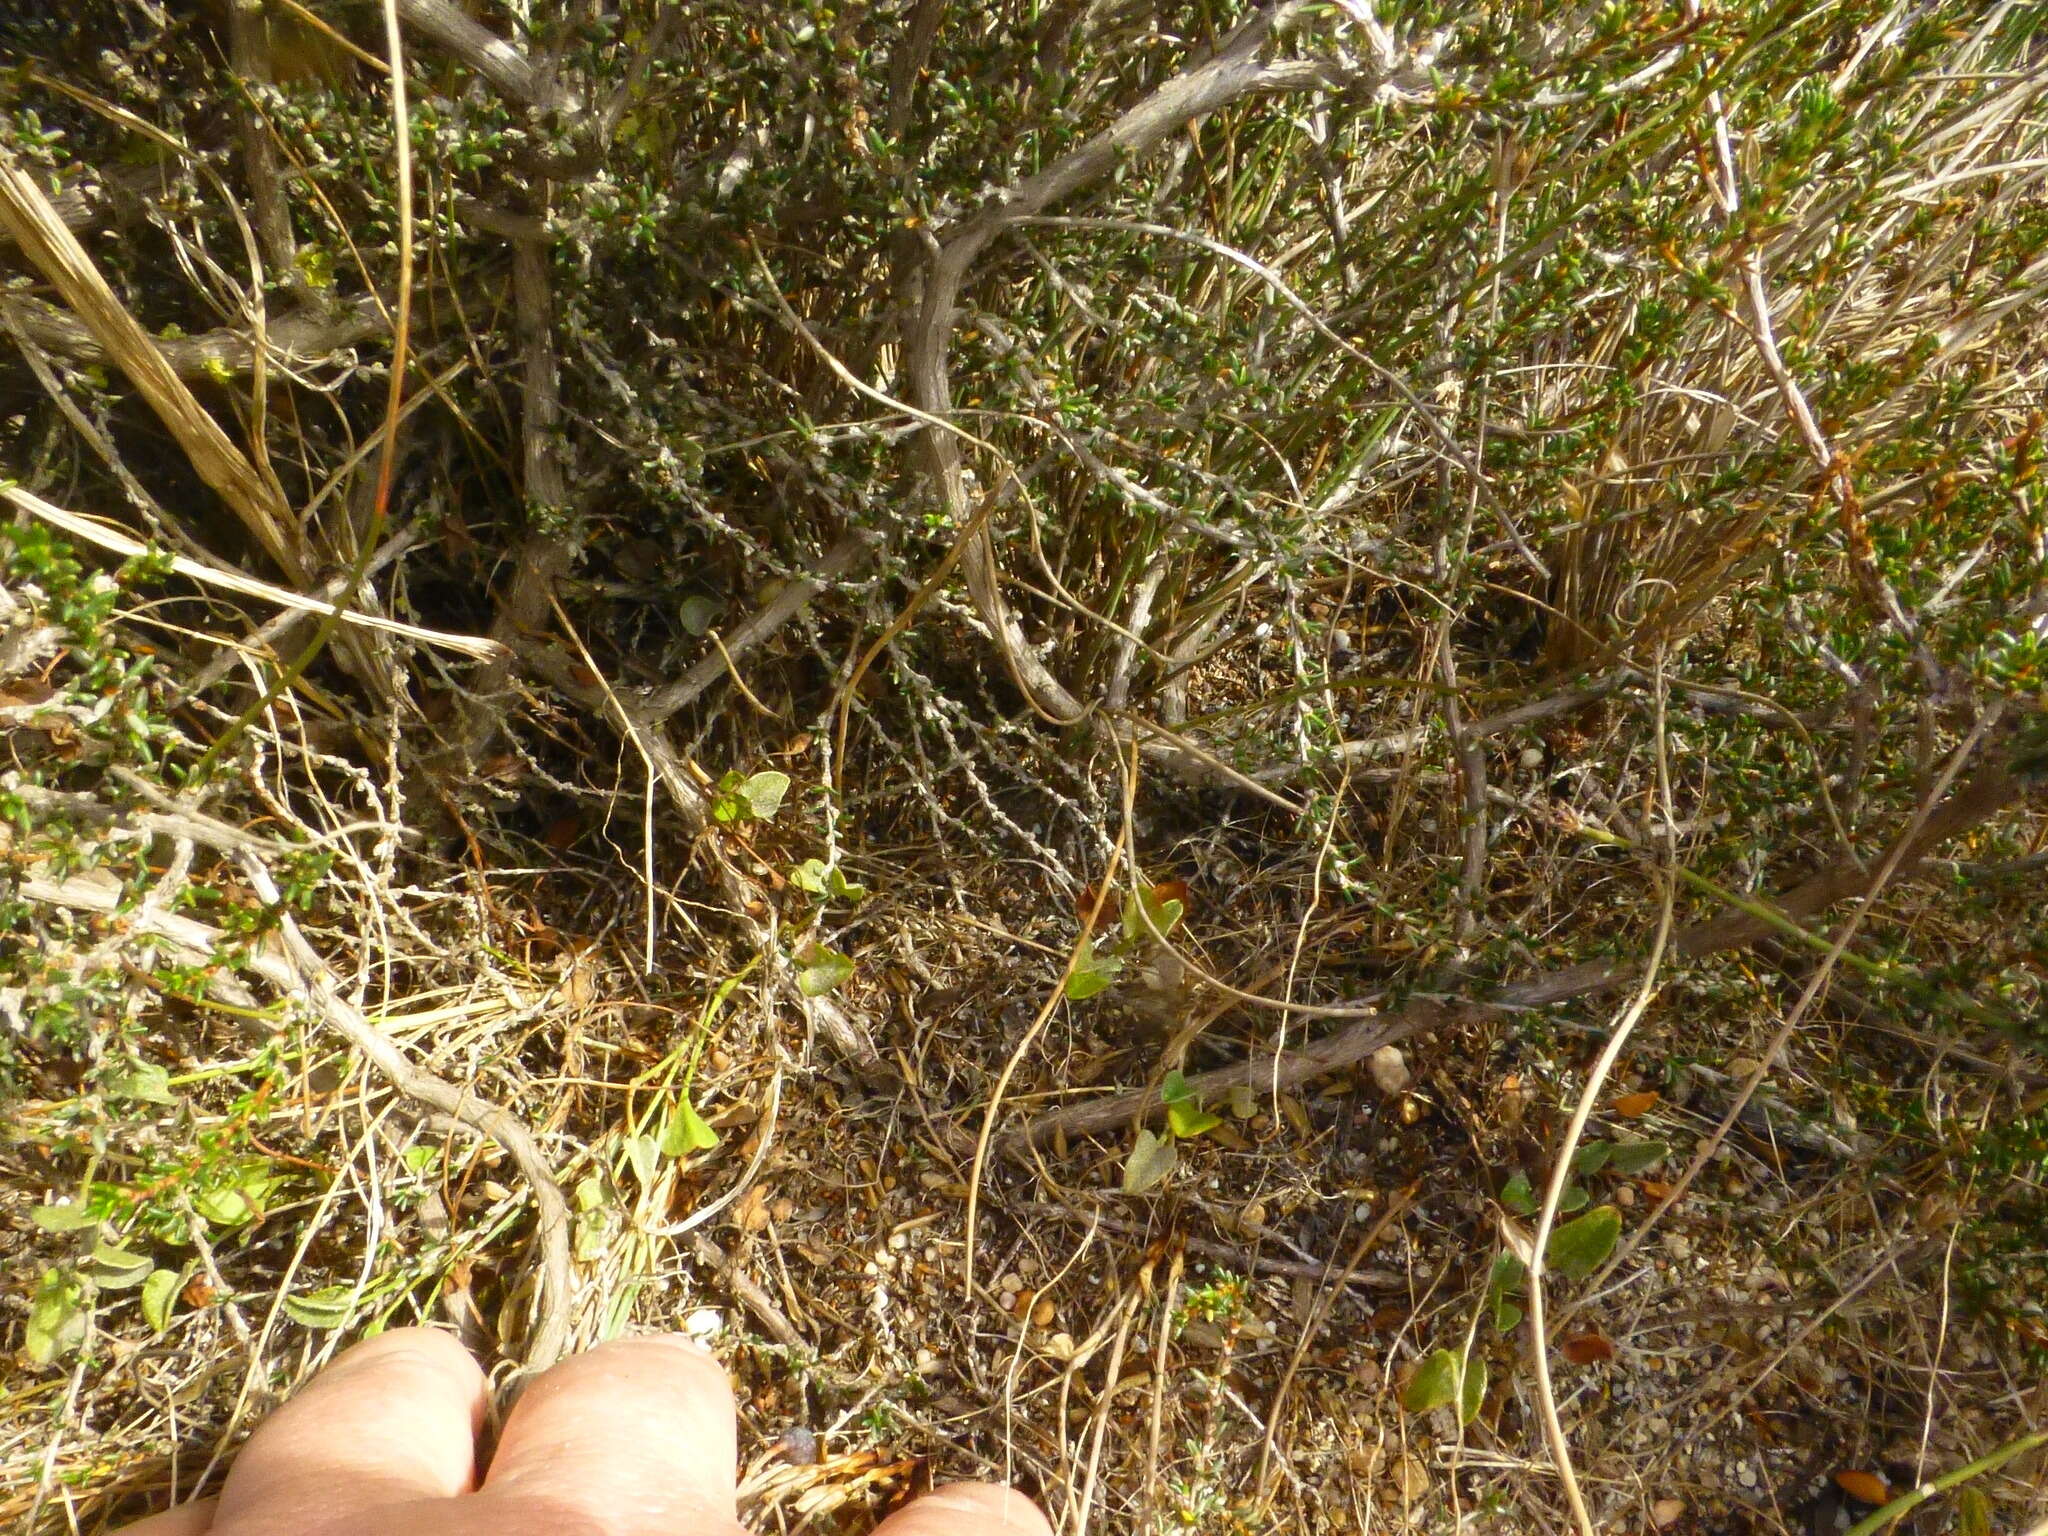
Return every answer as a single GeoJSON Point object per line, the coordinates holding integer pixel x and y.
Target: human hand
{"type": "Point", "coordinates": [633, 1438]}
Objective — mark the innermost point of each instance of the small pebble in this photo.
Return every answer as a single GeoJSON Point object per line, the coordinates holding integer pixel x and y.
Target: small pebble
{"type": "Point", "coordinates": [704, 1322]}
{"type": "Point", "coordinates": [1389, 1069]}
{"type": "Point", "coordinates": [1411, 1478]}
{"type": "Point", "coordinates": [898, 1241]}
{"type": "Point", "coordinates": [1532, 757]}
{"type": "Point", "coordinates": [1010, 1282]}
{"type": "Point", "coordinates": [1042, 1314]}
{"type": "Point", "coordinates": [1253, 1216]}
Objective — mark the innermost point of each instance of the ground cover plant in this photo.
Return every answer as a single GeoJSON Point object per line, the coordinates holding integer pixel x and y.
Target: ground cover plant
{"type": "Point", "coordinates": [1280, 766]}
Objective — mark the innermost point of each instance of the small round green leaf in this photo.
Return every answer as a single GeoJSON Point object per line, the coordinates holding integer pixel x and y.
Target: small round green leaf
{"type": "Point", "coordinates": [763, 794]}
{"type": "Point", "coordinates": [820, 970]}
{"type": "Point", "coordinates": [697, 613]}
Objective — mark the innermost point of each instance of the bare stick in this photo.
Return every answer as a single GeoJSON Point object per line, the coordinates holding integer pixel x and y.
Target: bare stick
{"type": "Point", "coordinates": [1561, 1167]}
{"type": "Point", "coordinates": [300, 337]}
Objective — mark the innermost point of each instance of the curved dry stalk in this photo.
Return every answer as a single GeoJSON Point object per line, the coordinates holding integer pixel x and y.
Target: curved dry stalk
{"type": "Point", "coordinates": [226, 580]}
{"type": "Point", "coordinates": [1234, 72]}
{"type": "Point", "coordinates": [1582, 1112]}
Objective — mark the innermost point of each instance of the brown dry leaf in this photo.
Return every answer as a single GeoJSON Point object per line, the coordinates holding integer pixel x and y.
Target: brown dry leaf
{"type": "Point", "coordinates": [1296, 1116]}
{"type": "Point", "coordinates": [1587, 1349]}
{"type": "Point", "coordinates": [750, 1211]}
{"type": "Point", "coordinates": [1864, 1487]}
{"type": "Point", "coordinates": [1655, 1189]}
{"type": "Point", "coordinates": [1365, 1460]}
{"type": "Point", "coordinates": [1632, 1105]}
{"type": "Point", "coordinates": [1516, 1095]}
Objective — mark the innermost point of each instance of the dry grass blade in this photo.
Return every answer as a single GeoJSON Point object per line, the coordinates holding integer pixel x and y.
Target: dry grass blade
{"type": "Point", "coordinates": [29, 218]}
{"type": "Point", "coordinates": [246, 586]}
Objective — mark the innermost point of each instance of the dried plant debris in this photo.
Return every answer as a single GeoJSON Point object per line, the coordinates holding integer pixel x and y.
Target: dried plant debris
{"type": "Point", "coordinates": [1003, 718]}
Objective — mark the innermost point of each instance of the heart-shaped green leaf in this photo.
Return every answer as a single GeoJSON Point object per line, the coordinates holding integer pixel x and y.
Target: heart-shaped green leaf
{"type": "Point", "coordinates": [687, 1131]}
{"type": "Point", "coordinates": [1094, 971]}
{"type": "Point", "coordinates": [1151, 1160]}
{"type": "Point", "coordinates": [1163, 912]}
{"type": "Point", "coordinates": [1579, 1247]}
{"type": "Point", "coordinates": [1518, 1196]}
{"type": "Point", "coordinates": [1434, 1384]}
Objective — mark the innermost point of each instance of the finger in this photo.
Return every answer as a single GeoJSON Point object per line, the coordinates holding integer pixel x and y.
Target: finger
{"type": "Point", "coordinates": [638, 1434]}
{"type": "Point", "coordinates": [967, 1509]}
{"type": "Point", "coordinates": [391, 1420]}
{"type": "Point", "coordinates": [192, 1519]}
